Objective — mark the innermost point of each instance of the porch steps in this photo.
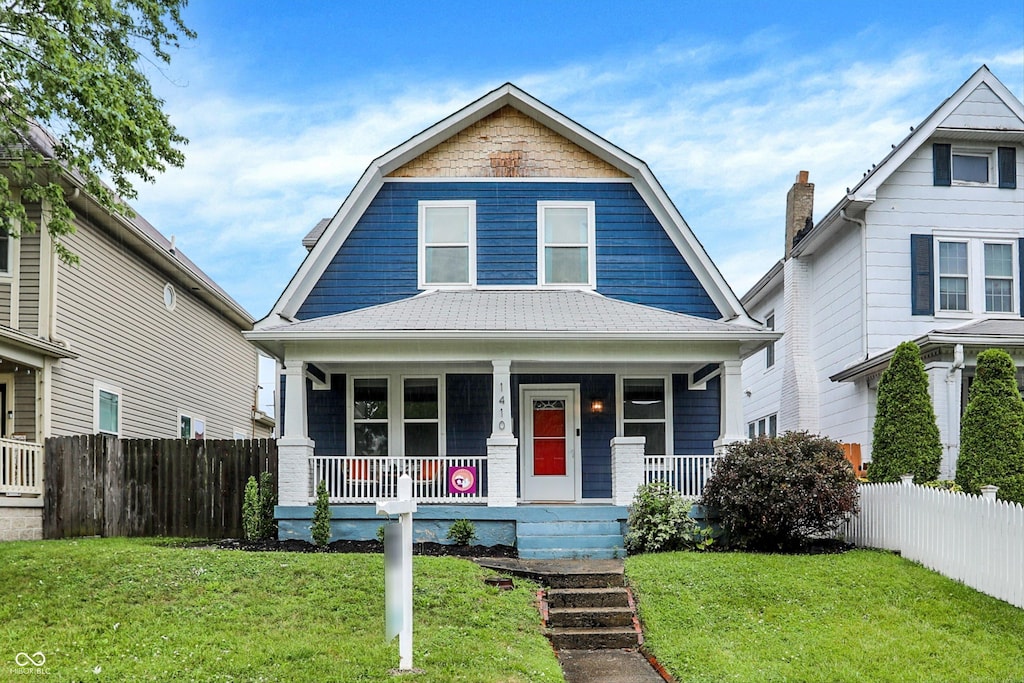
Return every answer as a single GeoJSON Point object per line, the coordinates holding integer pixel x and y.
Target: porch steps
{"type": "Point", "coordinates": [585, 605]}
{"type": "Point", "coordinates": [578, 539]}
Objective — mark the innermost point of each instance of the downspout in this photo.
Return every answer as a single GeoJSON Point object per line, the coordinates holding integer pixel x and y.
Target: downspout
{"type": "Point", "coordinates": [863, 280]}
{"type": "Point", "coordinates": [954, 387]}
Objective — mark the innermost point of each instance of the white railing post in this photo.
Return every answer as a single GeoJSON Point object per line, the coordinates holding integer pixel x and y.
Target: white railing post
{"type": "Point", "coordinates": [988, 492]}
{"type": "Point", "coordinates": [502, 471]}
{"type": "Point", "coordinates": [627, 468]}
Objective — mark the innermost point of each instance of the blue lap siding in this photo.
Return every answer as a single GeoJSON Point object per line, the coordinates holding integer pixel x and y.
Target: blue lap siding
{"type": "Point", "coordinates": [696, 416]}
{"type": "Point", "coordinates": [636, 259]}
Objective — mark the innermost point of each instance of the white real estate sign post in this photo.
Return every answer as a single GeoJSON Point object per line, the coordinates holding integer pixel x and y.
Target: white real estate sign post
{"type": "Point", "coordinates": [398, 570]}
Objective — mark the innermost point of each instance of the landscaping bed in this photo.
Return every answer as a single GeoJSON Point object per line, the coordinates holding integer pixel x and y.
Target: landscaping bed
{"type": "Point", "coordinates": [429, 549]}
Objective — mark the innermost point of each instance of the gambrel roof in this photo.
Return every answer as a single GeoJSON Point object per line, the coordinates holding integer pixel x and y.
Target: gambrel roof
{"type": "Point", "coordinates": [398, 162]}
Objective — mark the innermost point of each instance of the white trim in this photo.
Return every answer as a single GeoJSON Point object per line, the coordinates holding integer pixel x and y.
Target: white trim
{"type": "Point", "coordinates": [97, 387]}
{"type": "Point", "coordinates": [620, 410]}
{"type": "Point", "coordinates": [544, 179]}
{"type": "Point", "coordinates": [7, 380]}
{"type": "Point", "coordinates": [590, 244]}
{"type": "Point", "coordinates": [368, 185]}
{"type": "Point", "coordinates": [421, 242]}
{"type": "Point", "coordinates": [396, 408]}
{"type": "Point", "coordinates": [193, 419]}
{"type": "Point", "coordinates": [986, 151]}
{"type": "Point", "coordinates": [525, 434]}
{"type": "Point", "coordinates": [975, 275]}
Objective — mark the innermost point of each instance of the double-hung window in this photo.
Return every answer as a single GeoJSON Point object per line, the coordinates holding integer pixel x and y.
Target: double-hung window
{"type": "Point", "coordinates": [769, 351]}
{"type": "Point", "coordinates": [107, 408]}
{"type": "Point", "coordinates": [5, 252]}
{"type": "Point", "coordinates": [414, 429]}
{"type": "Point", "coordinates": [421, 416]}
{"type": "Point", "coordinates": [447, 244]}
{"type": "Point", "coordinates": [565, 244]}
{"type": "Point", "coordinates": [976, 276]}
{"type": "Point", "coordinates": [644, 413]}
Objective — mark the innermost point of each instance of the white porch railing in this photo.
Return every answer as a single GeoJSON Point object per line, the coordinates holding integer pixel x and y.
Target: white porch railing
{"type": "Point", "coordinates": [358, 479]}
{"type": "Point", "coordinates": [685, 473]}
{"type": "Point", "coordinates": [21, 467]}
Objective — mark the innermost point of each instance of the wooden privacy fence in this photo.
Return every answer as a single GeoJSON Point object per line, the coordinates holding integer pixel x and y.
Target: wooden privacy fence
{"type": "Point", "coordinates": [104, 486]}
{"type": "Point", "coordinates": [973, 539]}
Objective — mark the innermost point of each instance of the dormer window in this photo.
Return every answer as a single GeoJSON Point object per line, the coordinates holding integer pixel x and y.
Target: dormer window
{"type": "Point", "coordinates": [447, 244]}
{"type": "Point", "coordinates": [565, 244]}
{"type": "Point", "coordinates": [974, 165]}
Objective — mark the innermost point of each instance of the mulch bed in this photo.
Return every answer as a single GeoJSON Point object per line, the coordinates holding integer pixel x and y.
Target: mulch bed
{"type": "Point", "coordinates": [294, 545]}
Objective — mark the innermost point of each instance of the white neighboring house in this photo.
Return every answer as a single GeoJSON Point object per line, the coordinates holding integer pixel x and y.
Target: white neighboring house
{"type": "Point", "coordinates": [928, 247]}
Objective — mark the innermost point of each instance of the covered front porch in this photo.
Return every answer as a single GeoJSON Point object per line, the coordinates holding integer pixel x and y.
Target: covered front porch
{"type": "Point", "coordinates": [495, 399]}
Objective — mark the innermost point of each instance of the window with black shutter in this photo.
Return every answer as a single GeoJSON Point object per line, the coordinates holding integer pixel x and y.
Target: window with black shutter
{"type": "Point", "coordinates": [921, 283]}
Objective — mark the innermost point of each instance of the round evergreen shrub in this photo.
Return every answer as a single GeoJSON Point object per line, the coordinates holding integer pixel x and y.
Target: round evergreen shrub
{"type": "Point", "coordinates": [906, 436]}
{"type": "Point", "coordinates": [659, 520]}
{"type": "Point", "coordinates": [775, 493]}
{"type": "Point", "coordinates": [992, 430]}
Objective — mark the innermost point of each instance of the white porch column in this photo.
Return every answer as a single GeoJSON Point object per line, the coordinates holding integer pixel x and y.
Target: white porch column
{"type": "Point", "coordinates": [948, 413]}
{"type": "Point", "coordinates": [627, 467]}
{"type": "Point", "coordinates": [502, 447]}
{"type": "Point", "coordinates": [731, 406]}
{"type": "Point", "coordinates": [294, 448]}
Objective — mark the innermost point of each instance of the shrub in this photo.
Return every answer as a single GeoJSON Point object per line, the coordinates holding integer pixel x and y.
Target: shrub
{"type": "Point", "coordinates": [906, 436]}
{"type": "Point", "coordinates": [659, 520]}
{"type": "Point", "coordinates": [251, 524]}
{"type": "Point", "coordinates": [258, 504]}
{"type": "Point", "coordinates": [945, 485]}
{"type": "Point", "coordinates": [992, 430]}
{"type": "Point", "coordinates": [774, 493]}
{"type": "Point", "coordinates": [321, 528]}
{"type": "Point", "coordinates": [462, 531]}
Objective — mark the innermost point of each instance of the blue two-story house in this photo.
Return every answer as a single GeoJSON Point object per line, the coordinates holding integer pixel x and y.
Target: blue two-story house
{"type": "Point", "coordinates": [510, 310]}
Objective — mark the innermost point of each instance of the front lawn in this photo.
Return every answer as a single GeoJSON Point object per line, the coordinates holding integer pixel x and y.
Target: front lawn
{"type": "Point", "coordinates": [116, 609]}
{"type": "Point", "coordinates": [860, 616]}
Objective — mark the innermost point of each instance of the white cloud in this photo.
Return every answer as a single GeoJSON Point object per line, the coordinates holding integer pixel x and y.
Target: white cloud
{"type": "Point", "coordinates": [726, 142]}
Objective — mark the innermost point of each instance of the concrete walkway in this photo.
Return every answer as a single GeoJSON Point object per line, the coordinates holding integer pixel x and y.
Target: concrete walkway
{"type": "Point", "coordinates": [584, 666]}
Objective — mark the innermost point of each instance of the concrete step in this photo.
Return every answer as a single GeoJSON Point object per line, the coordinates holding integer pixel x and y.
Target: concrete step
{"type": "Point", "coordinates": [592, 638]}
{"type": "Point", "coordinates": [584, 542]}
{"type": "Point", "coordinates": [561, 598]}
{"type": "Point", "coordinates": [589, 617]}
{"type": "Point", "coordinates": [597, 580]}
{"type": "Point", "coordinates": [570, 528]}
{"type": "Point", "coordinates": [570, 554]}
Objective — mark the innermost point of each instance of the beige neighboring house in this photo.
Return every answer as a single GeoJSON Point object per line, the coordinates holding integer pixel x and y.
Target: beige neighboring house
{"type": "Point", "coordinates": [135, 341]}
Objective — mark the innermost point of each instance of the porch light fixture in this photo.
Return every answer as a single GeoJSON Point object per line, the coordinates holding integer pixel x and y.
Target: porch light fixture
{"type": "Point", "coordinates": [596, 405]}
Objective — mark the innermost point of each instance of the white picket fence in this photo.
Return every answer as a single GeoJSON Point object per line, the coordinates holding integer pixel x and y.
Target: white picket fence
{"type": "Point", "coordinates": [973, 539]}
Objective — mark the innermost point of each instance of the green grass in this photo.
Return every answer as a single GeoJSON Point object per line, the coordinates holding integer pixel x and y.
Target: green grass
{"type": "Point", "coordinates": [861, 616]}
{"type": "Point", "coordinates": [147, 610]}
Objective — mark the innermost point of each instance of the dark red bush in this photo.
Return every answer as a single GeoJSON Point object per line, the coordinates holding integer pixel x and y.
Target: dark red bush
{"type": "Point", "coordinates": [774, 493]}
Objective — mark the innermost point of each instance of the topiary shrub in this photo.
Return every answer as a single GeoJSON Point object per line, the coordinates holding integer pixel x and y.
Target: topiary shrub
{"type": "Point", "coordinates": [659, 520]}
{"type": "Point", "coordinates": [321, 528]}
{"type": "Point", "coordinates": [774, 493]}
{"type": "Point", "coordinates": [906, 436]}
{"type": "Point", "coordinates": [992, 430]}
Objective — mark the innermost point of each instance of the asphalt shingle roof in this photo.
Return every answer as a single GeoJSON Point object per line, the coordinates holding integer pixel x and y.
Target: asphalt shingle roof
{"type": "Point", "coordinates": [512, 311]}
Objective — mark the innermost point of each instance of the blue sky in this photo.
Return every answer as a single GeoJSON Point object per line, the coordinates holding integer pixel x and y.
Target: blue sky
{"type": "Point", "coordinates": [286, 103]}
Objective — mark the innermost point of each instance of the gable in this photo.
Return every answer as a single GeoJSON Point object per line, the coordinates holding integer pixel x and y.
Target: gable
{"type": "Point", "coordinates": [507, 144]}
{"type": "Point", "coordinates": [983, 109]}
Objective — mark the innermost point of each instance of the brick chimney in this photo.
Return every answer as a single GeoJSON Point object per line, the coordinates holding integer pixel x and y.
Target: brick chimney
{"type": "Point", "coordinates": [799, 209]}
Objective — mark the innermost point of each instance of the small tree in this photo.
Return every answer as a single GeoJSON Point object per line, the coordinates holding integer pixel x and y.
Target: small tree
{"type": "Point", "coordinates": [906, 436]}
{"type": "Point", "coordinates": [774, 493]}
{"type": "Point", "coordinates": [321, 529]}
{"type": "Point", "coordinates": [992, 430]}
{"type": "Point", "coordinates": [258, 508]}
